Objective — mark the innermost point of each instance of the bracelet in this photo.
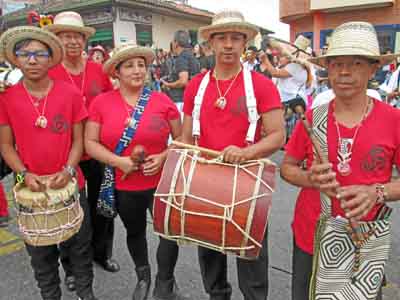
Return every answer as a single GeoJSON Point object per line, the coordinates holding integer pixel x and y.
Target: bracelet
{"type": "Point", "coordinates": [20, 177]}
{"type": "Point", "coordinates": [381, 193]}
{"type": "Point", "coordinates": [70, 170]}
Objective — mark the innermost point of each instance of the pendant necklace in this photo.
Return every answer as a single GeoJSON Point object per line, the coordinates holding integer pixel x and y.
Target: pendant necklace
{"type": "Point", "coordinates": [345, 145]}
{"type": "Point", "coordinates": [41, 120]}
{"type": "Point", "coordinates": [82, 89]}
{"type": "Point", "coordinates": [221, 101]}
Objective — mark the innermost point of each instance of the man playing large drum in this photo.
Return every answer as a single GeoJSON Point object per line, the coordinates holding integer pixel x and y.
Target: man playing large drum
{"type": "Point", "coordinates": [43, 118]}
{"type": "Point", "coordinates": [224, 122]}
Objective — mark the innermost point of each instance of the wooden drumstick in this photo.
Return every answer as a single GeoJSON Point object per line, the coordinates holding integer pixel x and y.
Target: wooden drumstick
{"type": "Point", "coordinates": [209, 152]}
{"type": "Point", "coordinates": [321, 157]}
{"type": "Point", "coordinates": [138, 155]}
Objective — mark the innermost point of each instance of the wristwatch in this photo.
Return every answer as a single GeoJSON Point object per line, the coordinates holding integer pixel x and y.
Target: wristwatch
{"type": "Point", "coordinates": [20, 177]}
{"type": "Point", "coordinates": [70, 170]}
{"type": "Point", "coordinates": [381, 193]}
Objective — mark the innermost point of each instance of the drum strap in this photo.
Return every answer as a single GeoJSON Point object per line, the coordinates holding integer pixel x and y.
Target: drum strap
{"type": "Point", "coordinates": [251, 103]}
{"type": "Point", "coordinates": [106, 203]}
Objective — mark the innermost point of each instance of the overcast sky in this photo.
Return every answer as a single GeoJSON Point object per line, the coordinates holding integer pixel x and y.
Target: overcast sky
{"type": "Point", "coordinates": [264, 13]}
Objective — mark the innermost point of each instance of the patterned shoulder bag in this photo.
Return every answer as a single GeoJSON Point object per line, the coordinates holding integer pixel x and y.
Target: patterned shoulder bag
{"type": "Point", "coordinates": [106, 202]}
{"type": "Point", "coordinates": [345, 268]}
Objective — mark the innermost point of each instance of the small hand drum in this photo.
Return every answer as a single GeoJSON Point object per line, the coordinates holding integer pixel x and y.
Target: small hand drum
{"type": "Point", "coordinates": [217, 205]}
{"type": "Point", "coordinates": [50, 217]}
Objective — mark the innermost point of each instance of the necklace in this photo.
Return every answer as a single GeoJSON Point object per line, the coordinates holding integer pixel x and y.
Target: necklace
{"type": "Point", "coordinates": [221, 101]}
{"type": "Point", "coordinates": [82, 89]}
{"type": "Point", "coordinates": [345, 145]}
{"type": "Point", "coordinates": [41, 120]}
{"type": "Point", "coordinates": [129, 120]}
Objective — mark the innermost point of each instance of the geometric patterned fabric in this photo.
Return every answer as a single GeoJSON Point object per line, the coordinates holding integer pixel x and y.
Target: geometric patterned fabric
{"type": "Point", "coordinates": [342, 268]}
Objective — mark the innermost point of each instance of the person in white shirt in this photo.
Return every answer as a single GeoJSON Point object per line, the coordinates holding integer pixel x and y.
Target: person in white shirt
{"type": "Point", "coordinates": [252, 61]}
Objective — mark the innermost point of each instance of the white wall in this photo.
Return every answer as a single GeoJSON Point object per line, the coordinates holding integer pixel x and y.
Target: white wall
{"type": "Point", "coordinates": [164, 28]}
{"type": "Point", "coordinates": [123, 31]}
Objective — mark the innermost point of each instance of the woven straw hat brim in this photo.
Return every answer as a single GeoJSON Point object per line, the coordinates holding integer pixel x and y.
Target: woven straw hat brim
{"type": "Point", "coordinates": [85, 30]}
{"type": "Point", "coordinates": [322, 60]}
{"type": "Point", "coordinates": [125, 54]}
{"type": "Point", "coordinates": [242, 27]}
{"type": "Point", "coordinates": [15, 35]}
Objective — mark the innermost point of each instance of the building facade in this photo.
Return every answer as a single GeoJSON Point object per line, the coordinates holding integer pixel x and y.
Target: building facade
{"type": "Point", "coordinates": [146, 22]}
{"type": "Point", "coordinates": [316, 19]}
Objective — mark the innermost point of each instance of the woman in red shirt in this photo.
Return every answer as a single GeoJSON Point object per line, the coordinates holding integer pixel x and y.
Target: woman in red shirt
{"type": "Point", "coordinates": [134, 193]}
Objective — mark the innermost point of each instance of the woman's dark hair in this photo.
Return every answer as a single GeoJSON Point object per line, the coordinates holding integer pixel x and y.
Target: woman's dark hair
{"type": "Point", "coordinates": [21, 44]}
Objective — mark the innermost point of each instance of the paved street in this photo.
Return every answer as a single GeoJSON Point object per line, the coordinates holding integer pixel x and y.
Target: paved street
{"type": "Point", "coordinates": [17, 282]}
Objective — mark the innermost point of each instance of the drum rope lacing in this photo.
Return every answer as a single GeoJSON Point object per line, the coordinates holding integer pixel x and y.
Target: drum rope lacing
{"type": "Point", "coordinates": [173, 202]}
{"type": "Point", "coordinates": [35, 234]}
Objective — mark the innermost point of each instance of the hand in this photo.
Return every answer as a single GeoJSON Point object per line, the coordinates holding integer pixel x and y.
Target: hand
{"type": "Point", "coordinates": [153, 164]}
{"type": "Point", "coordinates": [164, 83]}
{"type": "Point", "coordinates": [32, 181]}
{"type": "Point", "coordinates": [262, 55]}
{"type": "Point", "coordinates": [4, 85]}
{"type": "Point", "coordinates": [59, 180]}
{"type": "Point", "coordinates": [235, 155]}
{"type": "Point", "coordinates": [127, 165]}
{"type": "Point", "coordinates": [357, 200]}
{"type": "Point", "coordinates": [323, 178]}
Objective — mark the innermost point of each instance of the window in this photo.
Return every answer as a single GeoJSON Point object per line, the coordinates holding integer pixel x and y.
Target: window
{"type": "Point", "coordinates": [144, 35]}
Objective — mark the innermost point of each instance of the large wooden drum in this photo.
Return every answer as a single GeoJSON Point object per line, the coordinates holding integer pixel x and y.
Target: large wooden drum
{"type": "Point", "coordinates": [213, 204]}
{"type": "Point", "coordinates": [50, 217]}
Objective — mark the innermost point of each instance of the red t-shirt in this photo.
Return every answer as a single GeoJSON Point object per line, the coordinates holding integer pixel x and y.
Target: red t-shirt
{"type": "Point", "coordinates": [110, 111]}
{"type": "Point", "coordinates": [376, 149]}
{"type": "Point", "coordinates": [222, 128]}
{"type": "Point", "coordinates": [93, 80]}
{"type": "Point", "coordinates": [43, 151]}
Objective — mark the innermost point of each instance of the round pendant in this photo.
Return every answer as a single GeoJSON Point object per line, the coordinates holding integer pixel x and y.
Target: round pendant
{"type": "Point", "coordinates": [344, 168]}
{"type": "Point", "coordinates": [84, 99]}
{"type": "Point", "coordinates": [220, 103]}
{"type": "Point", "coordinates": [129, 122]}
{"type": "Point", "coordinates": [41, 122]}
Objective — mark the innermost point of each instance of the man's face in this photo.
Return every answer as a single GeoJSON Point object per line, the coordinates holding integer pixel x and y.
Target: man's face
{"type": "Point", "coordinates": [228, 47]}
{"type": "Point", "coordinates": [98, 57]}
{"type": "Point", "coordinates": [73, 42]}
{"type": "Point", "coordinates": [349, 75]}
{"type": "Point", "coordinates": [34, 60]}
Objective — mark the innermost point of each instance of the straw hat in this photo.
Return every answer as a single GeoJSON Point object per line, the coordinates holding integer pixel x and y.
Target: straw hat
{"type": "Point", "coordinates": [17, 34]}
{"type": "Point", "coordinates": [229, 21]}
{"type": "Point", "coordinates": [70, 21]}
{"type": "Point", "coordinates": [125, 52]}
{"type": "Point", "coordinates": [354, 39]}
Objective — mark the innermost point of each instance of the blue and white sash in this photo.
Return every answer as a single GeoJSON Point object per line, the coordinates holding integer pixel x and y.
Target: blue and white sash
{"type": "Point", "coordinates": [106, 202]}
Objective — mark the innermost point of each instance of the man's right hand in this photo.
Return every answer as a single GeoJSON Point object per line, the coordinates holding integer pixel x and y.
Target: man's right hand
{"type": "Point", "coordinates": [32, 181]}
{"type": "Point", "coordinates": [322, 177]}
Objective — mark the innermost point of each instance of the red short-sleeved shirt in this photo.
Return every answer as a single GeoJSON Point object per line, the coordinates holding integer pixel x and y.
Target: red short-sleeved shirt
{"type": "Point", "coordinates": [376, 149]}
{"type": "Point", "coordinates": [95, 80]}
{"type": "Point", "coordinates": [222, 128]}
{"type": "Point", "coordinates": [110, 111]}
{"type": "Point", "coordinates": [43, 151]}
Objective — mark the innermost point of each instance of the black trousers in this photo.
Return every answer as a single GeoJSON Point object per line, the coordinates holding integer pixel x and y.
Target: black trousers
{"type": "Point", "coordinates": [103, 228]}
{"type": "Point", "coordinates": [132, 207]}
{"type": "Point", "coordinates": [302, 271]}
{"type": "Point", "coordinates": [252, 274]}
{"type": "Point", "coordinates": [44, 260]}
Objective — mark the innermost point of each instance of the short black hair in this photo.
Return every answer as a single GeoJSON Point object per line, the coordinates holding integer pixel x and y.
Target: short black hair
{"type": "Point", "coordinates": [182, 38]}
{"type": "Point", "coordinates": [21, 44]}
{"type": "Point", "coordinates": [252, 48]}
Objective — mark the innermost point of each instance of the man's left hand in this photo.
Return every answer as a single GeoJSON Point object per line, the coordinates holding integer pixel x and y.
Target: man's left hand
{"type": "Point", "coordinates": [235, 155]}
{"type": "Point", "coordinates": [357, 200]}
{"type": "Point", "coordinates": [60, 180]}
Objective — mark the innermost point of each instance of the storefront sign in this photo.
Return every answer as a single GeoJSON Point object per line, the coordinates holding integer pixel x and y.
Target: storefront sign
{"type": "Point", "coordinates": [135, 16]}
{"type": "Point", "coordinates": [98, 17]}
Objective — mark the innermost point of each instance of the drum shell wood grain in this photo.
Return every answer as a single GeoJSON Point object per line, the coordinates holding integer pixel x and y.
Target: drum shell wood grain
{"type": "Point", "coordinates": [216, 183]}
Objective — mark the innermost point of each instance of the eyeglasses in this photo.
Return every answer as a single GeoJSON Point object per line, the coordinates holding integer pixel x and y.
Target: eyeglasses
{"type": "Point", "coordinates": [39, 56]}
